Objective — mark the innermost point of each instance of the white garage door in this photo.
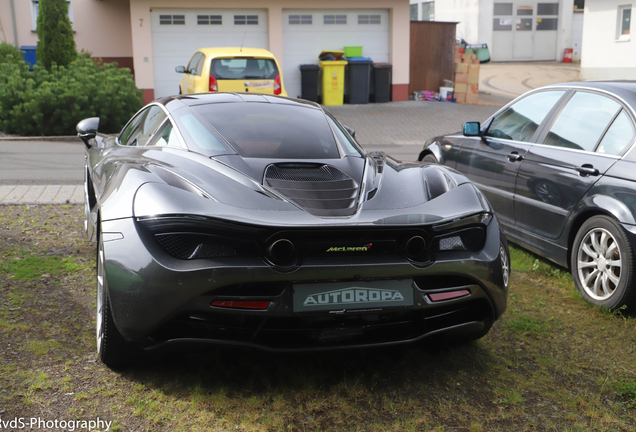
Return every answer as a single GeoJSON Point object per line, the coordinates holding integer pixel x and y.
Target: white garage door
{"type": "Point", "coordinates": [577, 35]}
{"type": "Point", "coordinates": [178, 33]}
{"type": "Point", "coordinates": [308, 32]}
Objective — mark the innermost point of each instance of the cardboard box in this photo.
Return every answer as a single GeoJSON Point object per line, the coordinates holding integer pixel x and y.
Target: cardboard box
{"type": "Point", "coordinates": [458, 58]}
{"type": "Point", "coordinates": [473, 79]}
{"type": "Point", "coordinates": [461, 68]}
{"type": "Point", "coordinates": [473, 69]}
{"type": "Point", "coordinates": [461, 88]}
{"type": "Point", "coordinates": [472, 89]}
{"type": "Point", "coordinates": [476, 61]}
{"type": "Point", "coordinates": [460, 97]}
{"type": "Point", "coordinates": [461, 78]}
{"type": "Point", "coordinates": [472, 98]}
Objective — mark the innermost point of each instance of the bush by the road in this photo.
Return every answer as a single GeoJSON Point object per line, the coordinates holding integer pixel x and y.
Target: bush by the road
{"type": "Point", "coordinates": [52, 102]}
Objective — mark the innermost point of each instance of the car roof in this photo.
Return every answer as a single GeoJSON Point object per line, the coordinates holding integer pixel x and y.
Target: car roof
{"type": "Point", "coordinates": [227, 97]}
{"type": "Point", "coordinates": [235, 51]}
{"type": "Point", "coordinates": [625, 90]}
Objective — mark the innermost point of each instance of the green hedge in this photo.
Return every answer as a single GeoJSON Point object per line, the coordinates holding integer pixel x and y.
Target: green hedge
{"type": "Point", "coordinates": [52, 102]}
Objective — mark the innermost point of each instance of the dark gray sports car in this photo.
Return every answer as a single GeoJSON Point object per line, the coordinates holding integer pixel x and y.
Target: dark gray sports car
{"type": "Point", "coordinates": [258, 221]}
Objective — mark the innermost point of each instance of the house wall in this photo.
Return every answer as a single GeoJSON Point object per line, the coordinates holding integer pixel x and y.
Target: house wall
{"type": "Point", "coordinates": [100, 27]}
{"type": "Point", "coordinates": [399, 33]}
{"type": "Point", "coordinates": [464, 12]}
{"type": "Point", "coordinates": [602, 55]}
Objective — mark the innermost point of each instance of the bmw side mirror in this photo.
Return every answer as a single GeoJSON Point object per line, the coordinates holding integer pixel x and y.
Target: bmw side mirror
{"type": "Point", "coordinates": [471, 129]}
{"type": "Point", "coordinates": [87, 130]}
{"type": "Point", "coordinates": [180, 69]}
{"type": "Point", "coordinates": [351, 131]}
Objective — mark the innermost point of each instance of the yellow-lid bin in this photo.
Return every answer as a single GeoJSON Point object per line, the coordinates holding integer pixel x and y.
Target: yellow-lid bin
{"type": "Point", "coordinates": [333, 81]}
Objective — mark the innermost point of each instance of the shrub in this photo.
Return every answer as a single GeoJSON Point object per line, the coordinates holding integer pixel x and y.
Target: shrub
{"type": "Point", "coordinates": [55, 34]}
{"type": "Point", "coordinates": [9, 53]}
{"type": "Point", "coordinates": [52, 102]}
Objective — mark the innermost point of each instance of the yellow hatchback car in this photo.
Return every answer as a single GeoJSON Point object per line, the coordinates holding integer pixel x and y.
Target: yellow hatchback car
{"type": "Point", "coordinates": [251, 70]}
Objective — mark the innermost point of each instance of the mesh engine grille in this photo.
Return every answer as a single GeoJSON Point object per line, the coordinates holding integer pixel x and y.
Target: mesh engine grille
{"type": "Point", "coordinates": [321, 190]}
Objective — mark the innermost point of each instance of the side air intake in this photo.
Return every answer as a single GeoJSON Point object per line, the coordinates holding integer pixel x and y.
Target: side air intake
{"type": "Point", "coordinates": [321, 190]}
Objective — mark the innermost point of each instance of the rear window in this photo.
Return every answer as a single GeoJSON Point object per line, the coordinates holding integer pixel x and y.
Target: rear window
{"type": "Point", "coordinates": [243, 68]}
{"type": "Point", "coordinates": [265, 130]}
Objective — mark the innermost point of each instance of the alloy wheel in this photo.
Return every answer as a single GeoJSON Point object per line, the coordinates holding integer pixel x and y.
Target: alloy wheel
{"type": "Point", "coordinates": [505, 265]}
{"type": "Point", "coordinates": [599, 264]}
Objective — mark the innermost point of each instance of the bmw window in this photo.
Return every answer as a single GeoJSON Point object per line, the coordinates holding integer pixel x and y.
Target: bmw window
{"type": "Point", "coordinates": [520, 121]}
{"type": "Point", "coordinates": [582, 121]}
{"type": "Point", "coordinates": [618, 136]}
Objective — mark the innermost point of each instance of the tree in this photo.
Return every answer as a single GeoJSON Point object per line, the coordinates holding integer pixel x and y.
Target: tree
{"type": "Point", "coordinates": [55, 34]}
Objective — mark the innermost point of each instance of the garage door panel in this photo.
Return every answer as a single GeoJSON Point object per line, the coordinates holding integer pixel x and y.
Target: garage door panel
{"type": "Point", "coordinates": [174, 44]}
{"type": "Point", "coordinates": [302, 43]}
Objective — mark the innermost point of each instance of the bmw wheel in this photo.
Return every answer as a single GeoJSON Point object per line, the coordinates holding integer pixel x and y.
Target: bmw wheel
{"type": "Point", "coordinates": [113, 350]}
{"type": "Point", "coordinates": [505, 264]}
{"type": "Point", "coordinates": [602, 264]}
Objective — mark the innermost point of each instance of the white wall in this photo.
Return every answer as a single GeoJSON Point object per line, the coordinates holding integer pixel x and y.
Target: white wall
{"type": "Point", "coordinates": [602, 55]}
{"type": "Point", "coordinates": [465, 12]}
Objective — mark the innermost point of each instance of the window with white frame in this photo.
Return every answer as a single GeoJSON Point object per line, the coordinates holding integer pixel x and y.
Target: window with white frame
{"type": "Point", "coordinates": [624, 22]}
{"type": "Point", "coordinates": [245, 19]}
{"type": "Point", "coordinates": [209, 19]}
{"type": "Point", "coordinates": [35, 10]}
{"type": "Point", "coordinates": [334, 19]}
{"type": "Point", "coordinates": [171, 19]}
{"type": "Point", "coordinates": [369, 19]}
{"type": "Point", "coordinates": [428, 11]}
{"type": "Point", "coordinates": [300, 19]}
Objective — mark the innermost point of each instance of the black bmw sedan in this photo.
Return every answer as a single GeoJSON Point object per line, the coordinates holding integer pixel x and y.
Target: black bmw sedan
{"type": "Point", "coordinates": [558, 165]}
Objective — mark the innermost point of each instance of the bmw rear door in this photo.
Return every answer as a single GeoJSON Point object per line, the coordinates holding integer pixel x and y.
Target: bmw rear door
{"type": "Point", "coordinates": [573, 152]}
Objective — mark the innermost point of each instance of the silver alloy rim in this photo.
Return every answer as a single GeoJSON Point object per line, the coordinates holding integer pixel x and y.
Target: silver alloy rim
{"type": "Point", "coordinates": [505, 268]}
{"type": "Point", "coordinates": [598, 264]}
{"type": "Point", "coordinates": [100, 295]}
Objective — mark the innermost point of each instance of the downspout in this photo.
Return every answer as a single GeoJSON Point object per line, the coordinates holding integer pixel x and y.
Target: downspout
{"type": "Point", "coordinates": [15, 30]}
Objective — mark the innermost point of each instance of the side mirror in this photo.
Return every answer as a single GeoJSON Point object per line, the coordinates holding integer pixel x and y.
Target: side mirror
{"type": "Point", "coordinates": [87, 130]}
{"type": "Point", "coordinates": [351, 131]}
{"type": "Point", "coordinates": [471, 129]}
{"type": "Point", "coordinates": [180, 69]}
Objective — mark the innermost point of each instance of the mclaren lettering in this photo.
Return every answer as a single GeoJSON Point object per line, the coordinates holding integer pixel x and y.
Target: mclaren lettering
{"type": "Point", "coordinates": [364, 248]}
{"type": "Point", "coordinates": [353, 296]}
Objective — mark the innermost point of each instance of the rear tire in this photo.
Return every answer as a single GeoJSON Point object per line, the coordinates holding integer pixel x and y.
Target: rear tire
{"type": "Point", "coordinates": [602, 264]}
{"type": "Point", "coordinates": [113, 350]}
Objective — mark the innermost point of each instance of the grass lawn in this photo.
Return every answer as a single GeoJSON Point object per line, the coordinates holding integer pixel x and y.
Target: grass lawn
{"type": "Point", "coordinates": [552, 363]}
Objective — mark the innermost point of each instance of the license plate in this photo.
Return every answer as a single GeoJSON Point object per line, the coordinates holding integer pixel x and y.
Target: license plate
{"type": "Point", "coordinates": [352, 295]}
{"type": "Point", "coordinates": [259, 84]}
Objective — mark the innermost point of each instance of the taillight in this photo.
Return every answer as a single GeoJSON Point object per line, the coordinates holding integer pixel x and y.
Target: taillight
{"type": "Point", "coordinates": [277, 86]}
{"type": "Point", "coordinates": [213, 86]}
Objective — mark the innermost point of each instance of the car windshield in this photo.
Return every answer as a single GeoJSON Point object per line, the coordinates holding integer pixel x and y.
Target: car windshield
{"type": "Point", "coordinates": [268, 130]}
{"type": "Point", "coordinates": [243, 68]}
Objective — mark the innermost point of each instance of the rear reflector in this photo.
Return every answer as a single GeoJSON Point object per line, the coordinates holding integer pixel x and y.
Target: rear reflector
{"type": "Point", "coordinates": [435, 297]}
{"type": "Point", "coordinates": [241, 304]}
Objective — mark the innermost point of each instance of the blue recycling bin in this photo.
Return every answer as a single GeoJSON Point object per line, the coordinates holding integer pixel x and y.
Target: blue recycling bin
{"type": "Point", "coordinates": [29, 55]}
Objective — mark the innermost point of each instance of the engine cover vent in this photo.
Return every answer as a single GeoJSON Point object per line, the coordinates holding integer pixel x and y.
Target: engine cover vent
{"type": "Point", "coordinates": [321, 190]}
